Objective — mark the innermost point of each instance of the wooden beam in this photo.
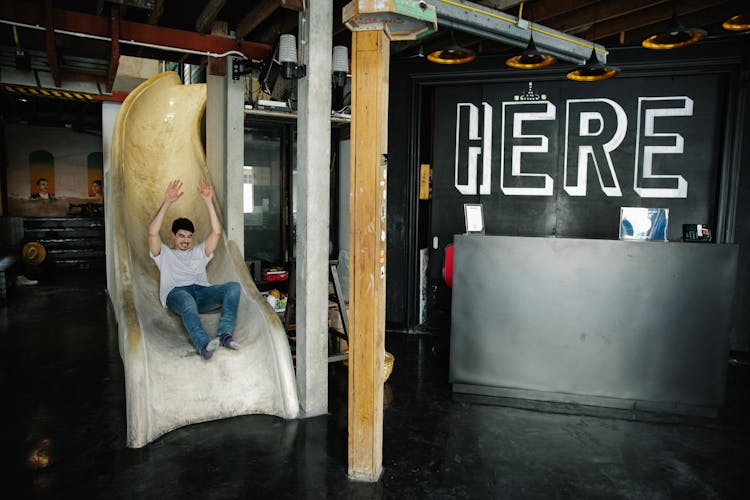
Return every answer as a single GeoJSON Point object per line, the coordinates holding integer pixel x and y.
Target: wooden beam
{"type": "Point", "coordinates": [114, 60]}
{"type": "Point", "coordinates": [292, 5]}
{"type": "Point", "coordinates": [693, 20]}
{"type": "Point", "coordinates": [599, 13]}
{"type": "Point", "coordinates": [541, 11]}
{"type": "Point", "coordinates": [650, 15]}
{"type": "Point", "coordinates": [256, 16]}
{"type": "Point", "coordinates": [367, 243]}
{"type": "Point", "coordinates": [155, 15]}
{"type": "Point", "coordinates": [270, 33]}
{"type": "Point", "coordinates": [26, 12]}
{"type": "Point", "coordinates": [208, 15]}
{"type": "Point", "coordinates": [218, 66]}
{"type": "Point", "coordinates": [49, 41]}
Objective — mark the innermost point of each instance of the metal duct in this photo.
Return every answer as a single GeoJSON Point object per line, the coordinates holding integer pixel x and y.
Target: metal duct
{"type": "Point", "coordinates": [505, 28]}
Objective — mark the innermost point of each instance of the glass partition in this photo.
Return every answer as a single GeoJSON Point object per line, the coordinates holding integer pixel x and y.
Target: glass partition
{"type": "Point", "coordinates": [262, 175]}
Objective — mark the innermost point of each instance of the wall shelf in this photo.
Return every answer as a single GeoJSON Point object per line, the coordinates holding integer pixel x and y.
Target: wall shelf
{"type": "Point", "coordinates": [337, 119]}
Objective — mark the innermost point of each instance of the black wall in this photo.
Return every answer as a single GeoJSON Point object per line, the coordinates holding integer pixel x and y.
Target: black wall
{"type": "Point", "coordinates": [709, 74]}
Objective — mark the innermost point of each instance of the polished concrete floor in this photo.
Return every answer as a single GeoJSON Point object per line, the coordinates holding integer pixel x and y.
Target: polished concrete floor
{"type": "Point", "coordinates": [65, 430]}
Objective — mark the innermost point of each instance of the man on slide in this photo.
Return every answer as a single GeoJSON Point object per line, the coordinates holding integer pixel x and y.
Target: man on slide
{"type": "Point", "coordinates": [183, 286]}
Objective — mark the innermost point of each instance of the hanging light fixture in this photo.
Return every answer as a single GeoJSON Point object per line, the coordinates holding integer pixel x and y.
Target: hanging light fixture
{"type": "Point", "coordinates": [530, 58]}
{"type": "Point", "coordinates": [677, 35]}
{"type": "Point", "coordinates": [340, 65]}
{"type": "Point", "coordinates": [593, 70]}
{"type": "Point", "coordinates": [452, 54]}
{"type": "Point", "coordinates": [288, 58]}
{"type": "Point", "coordinates": [740, 22]}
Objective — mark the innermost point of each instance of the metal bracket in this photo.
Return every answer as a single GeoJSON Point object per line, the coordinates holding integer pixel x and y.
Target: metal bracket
{"type": "Point", "coordinates": [244, 67]}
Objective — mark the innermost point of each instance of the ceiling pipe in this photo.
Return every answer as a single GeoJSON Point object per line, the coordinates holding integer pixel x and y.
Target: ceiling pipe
{"type": "Point", "coordinates": [235, 53]}
{"type": "Point", "coordinates": [505, 28]}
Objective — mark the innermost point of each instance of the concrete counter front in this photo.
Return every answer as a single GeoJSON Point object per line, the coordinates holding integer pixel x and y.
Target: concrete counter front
{"type": "Point", "coordinates": [640, 325]}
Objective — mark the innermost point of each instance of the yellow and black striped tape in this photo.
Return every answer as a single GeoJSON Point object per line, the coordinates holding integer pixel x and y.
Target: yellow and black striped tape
{"type": "Point", "coordinates": [51, 93]}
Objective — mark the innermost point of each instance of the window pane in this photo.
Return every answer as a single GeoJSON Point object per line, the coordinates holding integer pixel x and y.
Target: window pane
{"type": "Point", "coordinates": [262, 195]}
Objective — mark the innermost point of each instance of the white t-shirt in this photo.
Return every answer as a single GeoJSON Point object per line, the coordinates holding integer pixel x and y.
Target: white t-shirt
{"type": "Point", "coordinates": [181, 268]}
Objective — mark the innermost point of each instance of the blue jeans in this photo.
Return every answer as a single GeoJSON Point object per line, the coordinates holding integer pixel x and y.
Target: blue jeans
{"type": "Point", "coordinates": [189, 301]}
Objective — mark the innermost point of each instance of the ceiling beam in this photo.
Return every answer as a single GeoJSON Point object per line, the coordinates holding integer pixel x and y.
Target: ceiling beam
{"type": "Point", "coordinates": [155, 15]}
{"type": "Point", "coordinates": [208, 15]}
{"type": "Point", "coordinates": [541, 11]}
{"type": "Point", "coordinates": [650, 15]}
{"type": "Point", "coordinates": [49, 42]}
{"type": "Point", "coordinates": [271, 31]}
{"type": "Point", "coordinates": [141, 4]}
{"type": "Point", "coordinates": [695, 19]}
{"type": "Point", "coordinates": [261, 12]}
{"type": "Point", "coordinates": [599, 13]}
{"type": "Point", "coordinates": [499, 4]}
{"type": "Point", "coordinates": [133, 33]}
{"type": "Point", "coordinates": [256, 16]}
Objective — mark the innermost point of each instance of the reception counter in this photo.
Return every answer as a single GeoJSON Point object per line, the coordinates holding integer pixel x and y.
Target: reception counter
{"type": "Point", "coordinates": [637, 325]}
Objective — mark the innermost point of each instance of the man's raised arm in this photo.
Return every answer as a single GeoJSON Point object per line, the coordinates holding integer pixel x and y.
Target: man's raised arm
{"type": "Point", "coordinates": [206, 191]}
{"type": "Point", "coordinates": [171, 195]}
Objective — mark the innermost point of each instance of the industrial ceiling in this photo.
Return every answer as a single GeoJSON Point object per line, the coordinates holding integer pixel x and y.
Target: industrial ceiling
{"type": "Point", "coordinates": [61, 41]}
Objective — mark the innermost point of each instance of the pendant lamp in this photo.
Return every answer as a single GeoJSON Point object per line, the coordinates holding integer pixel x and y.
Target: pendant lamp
{"type": "Point", "coordinates": [740, 22]}
{"type": "Point", "coordinates": [593, 70]}
{"type": "Point", "coordinates": [677, 35]}
{"type": "Point", "coordinates": [453, 53]}
{"type": "Point", "coordinates": [530, 58]}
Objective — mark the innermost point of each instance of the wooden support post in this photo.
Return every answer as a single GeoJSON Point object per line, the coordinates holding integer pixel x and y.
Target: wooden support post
{"type": "Point", "coordinates": [217, 66]}
{"type": "Point", "coordinates": [367, 242]}
{"type": "Point", "coordinates": [114, 59]}
{"type": "Point", "coordinates": [50, 43]}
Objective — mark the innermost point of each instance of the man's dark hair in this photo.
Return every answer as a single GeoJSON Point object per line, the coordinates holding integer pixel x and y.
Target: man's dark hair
{"type": "Point", "coordinates": [40, 180]}
{"type": "Point", "coordinates": [182, 223]}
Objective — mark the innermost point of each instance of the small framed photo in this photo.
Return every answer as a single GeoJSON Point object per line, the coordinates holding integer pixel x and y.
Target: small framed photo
{"type": "Point", "coordinates": [644, 224]}
{"type": "Point", "coordinates": [474, 218]}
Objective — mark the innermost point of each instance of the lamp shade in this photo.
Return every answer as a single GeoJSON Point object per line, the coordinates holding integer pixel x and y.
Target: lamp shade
{"type": "Point", "coordinates": [677, 35]}
{"type": "Point", "coordinates": [740, 22]}
{"type": "Point", "coordinates": [288, 49]}
{"type": "Point", "coordinates": [530, 58]}
{"type": "Point", "coordinates": [593, 70]}
{"type": "Point", "coordinates": [340, 58]}
{"type": "Point", "coordinates": [453, 53]}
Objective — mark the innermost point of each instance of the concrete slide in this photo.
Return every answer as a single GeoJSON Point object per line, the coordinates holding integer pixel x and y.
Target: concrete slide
{"type": "Point", "coordinates": [157, 139]}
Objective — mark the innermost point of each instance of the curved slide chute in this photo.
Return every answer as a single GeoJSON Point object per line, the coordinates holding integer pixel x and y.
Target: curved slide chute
{"type": "Point", "coordinates": [157, 138]}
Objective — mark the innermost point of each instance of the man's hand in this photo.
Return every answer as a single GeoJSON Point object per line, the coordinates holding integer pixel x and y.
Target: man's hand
{"type": "Point", "coordinates": [205, 190]}
{"type": "Point", "coordinates": [173, 192]}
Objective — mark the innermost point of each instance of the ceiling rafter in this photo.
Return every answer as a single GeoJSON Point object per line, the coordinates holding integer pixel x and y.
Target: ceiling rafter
{"type": "Point", "coordinates": [652, 15]}
{"type": "Point", "coordinates": [696, 18]}
{"type": "Point", "coordinates": [599, 13]}
{"type": "Point", "coordinates": [261, 12]}
{"type": "Point", "coordinates": [155, 15]}
{"type": "Point", "coordinates": [208, 15]}
{"type": "Point", "coordinates": [89, 24]}
{"type": "Point", "coordinates": [271, 31]}
{"type": "Point", "coordinates": [539, 12]}
{"type": "Point", "coordinates": [256, 16]}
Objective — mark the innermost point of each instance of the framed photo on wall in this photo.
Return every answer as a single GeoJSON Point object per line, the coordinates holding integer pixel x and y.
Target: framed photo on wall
{"type": "Point", "coordinates": [474, 218]}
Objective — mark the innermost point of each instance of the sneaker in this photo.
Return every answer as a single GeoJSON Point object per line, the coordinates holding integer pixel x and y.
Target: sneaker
{"type": "Point", "coordinates": [208, 349]}
{"type": "Point", "coordinates": [22, 280]}
{"type": "Point", "coordinates": [229, 342]}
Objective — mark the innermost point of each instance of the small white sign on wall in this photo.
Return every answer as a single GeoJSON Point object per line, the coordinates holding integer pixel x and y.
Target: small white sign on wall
{"type": "Point", "coordinates": [474, 218]}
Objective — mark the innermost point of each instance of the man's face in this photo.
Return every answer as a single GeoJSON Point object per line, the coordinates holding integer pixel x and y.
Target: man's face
{"type": "Point", "coordinates": [43, 186]}
{"type": "Point", "coordinates": [182, 239]}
